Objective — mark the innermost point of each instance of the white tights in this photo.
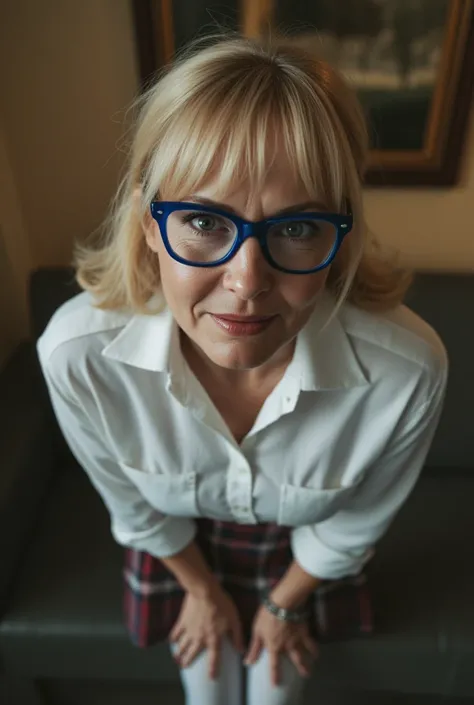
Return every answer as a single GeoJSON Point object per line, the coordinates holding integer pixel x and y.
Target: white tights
{"type": "Point", "coordinates": [227, 689]}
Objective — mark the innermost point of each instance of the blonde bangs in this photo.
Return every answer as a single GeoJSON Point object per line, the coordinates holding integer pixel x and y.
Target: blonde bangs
{"type": "Point", "coordinates": [229, 130]}
{"type": "Point", "coordinates": [235, 128]}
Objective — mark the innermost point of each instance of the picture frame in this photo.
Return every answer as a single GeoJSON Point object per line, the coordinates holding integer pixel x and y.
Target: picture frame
{"type": "Point", "coordinates": [418, 121]}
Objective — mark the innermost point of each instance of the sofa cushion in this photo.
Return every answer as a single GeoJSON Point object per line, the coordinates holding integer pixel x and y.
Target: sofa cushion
{"type": "Point", "coordinates": [65, 619]}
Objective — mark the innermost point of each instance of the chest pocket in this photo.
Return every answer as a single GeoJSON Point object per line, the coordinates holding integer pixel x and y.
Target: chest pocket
{"type": "Point", "coordinates": [173, 495]}
{"type": "Point", "coordinates": [305, 505]}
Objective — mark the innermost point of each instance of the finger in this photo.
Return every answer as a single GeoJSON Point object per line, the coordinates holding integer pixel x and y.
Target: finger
{"type": "Point", "coordinates": [181, 647]}
{"type": "Point", "coordinates": [312, 646]}
{"type": "Point", "coordinates": [275, 667]}
{"type": "Point", "coordinates": [255, 649]}
{"type": "Point", "coordinates": [188, 655]}
{"type": "Point", "coordinates": [237, 636]}
{"type": "Point", "coordinates": [213, 655]}
{"type": "Point", "coordinates": [176, 633]}
{"type": "Point", "coordinates": [297, 658]}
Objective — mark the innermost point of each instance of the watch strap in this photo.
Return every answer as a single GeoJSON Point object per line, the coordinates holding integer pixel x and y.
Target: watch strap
{"type": "Point", "coordinates": [283, 614]}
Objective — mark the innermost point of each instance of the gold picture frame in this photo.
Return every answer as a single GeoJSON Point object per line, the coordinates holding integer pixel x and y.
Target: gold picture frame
{"type": "Point", "coordinates": [439, 111]}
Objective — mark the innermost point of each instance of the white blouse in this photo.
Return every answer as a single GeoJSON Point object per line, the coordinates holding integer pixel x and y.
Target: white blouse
{"type": "Point", "coordinates": [334, 452]}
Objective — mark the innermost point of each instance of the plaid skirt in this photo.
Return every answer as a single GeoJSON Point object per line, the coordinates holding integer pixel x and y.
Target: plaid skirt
{"type": "Point", "coordinates": [248, 560]}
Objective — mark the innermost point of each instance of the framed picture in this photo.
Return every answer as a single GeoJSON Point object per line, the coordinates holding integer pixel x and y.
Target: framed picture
{"type": "Point", "coordinates": [411, 62]}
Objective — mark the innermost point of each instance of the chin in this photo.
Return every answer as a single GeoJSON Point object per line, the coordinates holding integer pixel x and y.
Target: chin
{"type": "Point", "coordinates": [234, 358]}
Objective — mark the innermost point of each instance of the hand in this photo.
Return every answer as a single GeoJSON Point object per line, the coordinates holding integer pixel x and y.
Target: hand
{"type": "Point", "coordinates": [202, 623]}
{"type": "Point", "coordinates": [279, 638]}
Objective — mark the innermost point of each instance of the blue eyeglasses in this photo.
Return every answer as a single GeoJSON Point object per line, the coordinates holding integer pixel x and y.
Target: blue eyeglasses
{"type": "Point", "coordinates": [203, 236]}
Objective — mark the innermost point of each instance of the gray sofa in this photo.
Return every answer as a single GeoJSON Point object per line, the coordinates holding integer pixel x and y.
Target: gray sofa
{"type": "Point", "coordinates": [60, 585]}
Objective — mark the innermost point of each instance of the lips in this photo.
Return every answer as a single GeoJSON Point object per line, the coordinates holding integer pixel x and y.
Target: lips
{"type": "Point", "coordinates": [242, 325]}
{"type": "Point", "coordinates": [242, 319]}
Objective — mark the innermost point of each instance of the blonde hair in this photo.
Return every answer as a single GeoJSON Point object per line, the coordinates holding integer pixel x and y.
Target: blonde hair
{"type": "Point", "coordinates": [217, 108]}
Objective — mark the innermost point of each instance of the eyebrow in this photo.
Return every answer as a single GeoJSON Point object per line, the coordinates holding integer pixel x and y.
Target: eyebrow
{"type": "Point", "coordinates": [226, 207]}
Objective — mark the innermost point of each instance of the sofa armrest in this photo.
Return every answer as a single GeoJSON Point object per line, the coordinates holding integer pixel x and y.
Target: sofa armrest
{"type": "Point", "coordinates": [27, 457]}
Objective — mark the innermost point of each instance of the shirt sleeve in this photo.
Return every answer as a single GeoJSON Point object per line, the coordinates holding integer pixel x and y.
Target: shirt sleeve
{"type": "Point", "coordinates": [134, 522]}
{"type": "Point", "coordinates": [341, 545]}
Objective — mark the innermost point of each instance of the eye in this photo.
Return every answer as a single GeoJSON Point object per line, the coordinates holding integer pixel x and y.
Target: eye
{"type": "Point", "coordinates": [298, 229]}
{"type": "Point", "coordinates": [205, 222]}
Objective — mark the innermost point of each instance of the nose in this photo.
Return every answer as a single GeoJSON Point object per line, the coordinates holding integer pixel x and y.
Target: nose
{"type": "Point", "coordinates": [248, 275]}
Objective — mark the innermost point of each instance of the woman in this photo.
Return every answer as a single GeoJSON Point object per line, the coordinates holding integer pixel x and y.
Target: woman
{"type": "Point", "coordinates": [239, 378]}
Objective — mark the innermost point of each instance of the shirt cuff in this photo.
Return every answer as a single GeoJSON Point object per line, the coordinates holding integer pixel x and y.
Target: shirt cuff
{"type": "Point", "coordinates": [167, 539]}
{"type": "Point", "coordinates": [321, 561]}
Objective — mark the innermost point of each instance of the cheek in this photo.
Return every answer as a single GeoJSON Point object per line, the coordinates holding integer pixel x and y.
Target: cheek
{"type": "Point", "coordinates": [301, 292]}
{"type": "Point", "coordinates": [184, 286]}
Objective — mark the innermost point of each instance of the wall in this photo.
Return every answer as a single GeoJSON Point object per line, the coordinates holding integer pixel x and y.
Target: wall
{"type": "Point", "coordinates": [431, 228]}
{"type": "Point", "coordinates": [67, 73]}
{"type": "Point", "coordinates": [15, 258]}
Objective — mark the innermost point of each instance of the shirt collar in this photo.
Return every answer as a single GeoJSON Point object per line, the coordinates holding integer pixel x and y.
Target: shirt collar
{"type": "Point", "coordinates": [147, 341]}
{"type": "Point", "coordinates": [323, 358]}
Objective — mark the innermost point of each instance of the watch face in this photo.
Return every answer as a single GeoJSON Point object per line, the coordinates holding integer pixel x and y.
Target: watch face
{"type": "Point", "coordinates": [298, 615]}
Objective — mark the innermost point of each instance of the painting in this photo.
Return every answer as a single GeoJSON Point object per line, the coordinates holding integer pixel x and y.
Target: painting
{"type": "Point", "coordinates": [410, 61]}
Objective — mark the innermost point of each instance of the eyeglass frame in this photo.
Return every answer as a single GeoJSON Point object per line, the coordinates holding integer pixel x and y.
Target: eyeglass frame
{"type": "Point", "coordinates": [161, 210]}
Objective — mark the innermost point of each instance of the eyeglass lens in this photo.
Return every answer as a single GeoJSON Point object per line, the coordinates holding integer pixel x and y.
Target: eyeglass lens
{"type": "Point", "coordinates": [205, 238]}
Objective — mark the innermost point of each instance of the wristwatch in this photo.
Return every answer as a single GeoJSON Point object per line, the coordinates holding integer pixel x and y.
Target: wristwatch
{"type": "Point", "coordinates": [284, 615]}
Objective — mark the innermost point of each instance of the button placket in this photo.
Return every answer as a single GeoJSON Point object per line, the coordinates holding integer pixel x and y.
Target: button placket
{"type": "Point", "coordinates": [239, 489]}
{"type": "Point", "coordinates": [190, 480]}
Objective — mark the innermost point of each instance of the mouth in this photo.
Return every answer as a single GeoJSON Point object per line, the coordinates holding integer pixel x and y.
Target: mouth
{"type": "Point", "coordinates": [242, 325]}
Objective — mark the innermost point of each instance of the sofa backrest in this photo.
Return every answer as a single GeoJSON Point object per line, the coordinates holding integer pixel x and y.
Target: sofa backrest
{"type": "Point", "coordinates": [446, 301]}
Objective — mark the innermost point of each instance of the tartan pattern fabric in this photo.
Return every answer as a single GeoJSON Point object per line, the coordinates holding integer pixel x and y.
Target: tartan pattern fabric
{"type": "Point", "coordinates": [248, 560]}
